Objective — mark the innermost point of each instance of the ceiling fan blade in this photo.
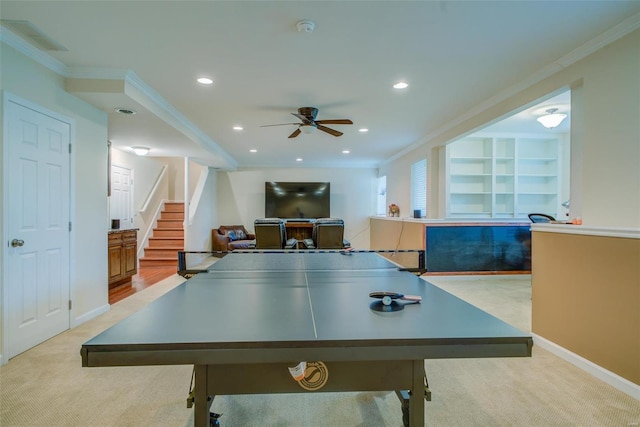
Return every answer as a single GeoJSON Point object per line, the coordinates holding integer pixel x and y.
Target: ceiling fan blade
{"type": "Point", "coordinates": [281, 124]}
{"type": "Point", "coordinates": [295, 133]}
{"type": "Point", "coordinates": [329, 130]}
{"type": "Point", "coordinates": [304, 119]}
{"type": "Point", "coordinates": [335, 122]}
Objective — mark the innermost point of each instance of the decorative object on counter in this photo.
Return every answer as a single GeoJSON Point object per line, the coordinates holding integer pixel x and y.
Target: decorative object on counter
{"type": "Point", "coordinates": [115, 224]}
{"type": "Point", "coordinates": [394, 210]}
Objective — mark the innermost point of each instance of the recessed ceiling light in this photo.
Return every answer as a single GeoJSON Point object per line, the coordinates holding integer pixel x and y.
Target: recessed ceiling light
{"type": "Point", "coordinates": [363, 130]}
{"type": "Point", "coordinates": [345, 151]}
{"type": "Point", "coordinates": [400, 85]}
{"type": "Point", "coordinates": [125, 111]}
{"type": "Point", "coordinates": [205, 81]}
{"type": "Point", "coordinates": [299, 159]}
{"type": "Point", "coordinates": [253, 150]}
{"type": "Point", "coordinates": [237, 128]}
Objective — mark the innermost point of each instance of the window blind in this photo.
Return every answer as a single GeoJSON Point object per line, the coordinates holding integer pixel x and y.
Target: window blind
{"type": "Point", "coordinates": [419, 186]}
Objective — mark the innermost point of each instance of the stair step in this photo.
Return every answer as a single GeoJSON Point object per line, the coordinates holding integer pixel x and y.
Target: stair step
{"type": "Point", "coordinates": [169, 242]}
{"type": "Point", "coordinates": [168, 232]}
{"type": "Point", "coordinates": [159, 262]}
{"type": "Point", "coordinates": [170, 223]}
{"type": "Point", "coordinates": [172, 215]}
{"type": "Point", "coordinates": [161, 252]}
{"type": "Point", "coordinates": [173, 207]}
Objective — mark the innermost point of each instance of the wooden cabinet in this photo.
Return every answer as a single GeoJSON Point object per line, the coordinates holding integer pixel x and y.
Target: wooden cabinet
{"type": "Point", "coordinates": [299, 230]}
{"type": "Point", "coordinates": [123, 252]}
{"type": "Point", "coordinates": [504, 177]}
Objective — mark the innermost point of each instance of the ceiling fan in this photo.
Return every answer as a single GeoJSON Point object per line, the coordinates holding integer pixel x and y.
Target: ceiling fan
{"type": "Point", "coordinates": [308, 122]}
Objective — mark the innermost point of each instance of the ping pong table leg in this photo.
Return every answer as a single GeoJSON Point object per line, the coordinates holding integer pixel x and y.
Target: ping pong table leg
{"type": "Point", "coordinates": [417, 397]}
{"type": "Point", "coordinates": [202, 401]}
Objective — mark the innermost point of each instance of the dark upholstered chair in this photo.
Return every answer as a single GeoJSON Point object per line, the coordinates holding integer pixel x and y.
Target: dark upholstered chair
{"type": "Point", "coordinates": [230, 237]}
{"type": "Point", "coordinates": [539, 217]}
{"type": "Point", "coordinates": [272, 234]}
{"type": "Point", "coordinates": [328, 233]}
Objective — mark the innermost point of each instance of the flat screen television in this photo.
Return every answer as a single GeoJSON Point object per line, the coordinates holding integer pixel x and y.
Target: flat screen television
{"type": "Point", "coordinates": [288, 200]}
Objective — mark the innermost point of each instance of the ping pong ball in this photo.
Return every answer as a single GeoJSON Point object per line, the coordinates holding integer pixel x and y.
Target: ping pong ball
{"type": "Point", "coordinates": [386, 300]}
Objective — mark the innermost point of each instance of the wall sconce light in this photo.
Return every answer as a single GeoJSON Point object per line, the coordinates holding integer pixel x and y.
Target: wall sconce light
{"type": "Point", "coordinates": [140, 151]}
{"type": "Point", "coordinates": [551, 119]}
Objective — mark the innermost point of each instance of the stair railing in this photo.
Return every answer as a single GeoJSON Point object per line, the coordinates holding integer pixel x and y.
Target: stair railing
{"type": "Point", "coordinates": [154, 189]}
{"type": "Point", "coordinates": [150, 227]}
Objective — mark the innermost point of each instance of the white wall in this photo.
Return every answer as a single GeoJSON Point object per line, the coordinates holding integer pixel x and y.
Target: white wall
{"type": "Point", "coordinates": [25, 78]}
{"type": "Point", "coordinates": [206, 216]}
{"type": "Point", "coordinates": [353, 192]}
{"type": "Point", "coordinates": [605, 137]}
{"type": "Point", "coordinates": [146, 171]}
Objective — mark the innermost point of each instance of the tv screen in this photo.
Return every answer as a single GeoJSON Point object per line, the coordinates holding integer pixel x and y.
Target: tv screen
{"type": "Point", "coordinates": [289, 200]}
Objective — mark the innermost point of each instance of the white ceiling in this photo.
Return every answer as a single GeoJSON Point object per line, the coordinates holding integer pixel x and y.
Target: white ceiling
{"type": "Point", "coordinates": [455, 55]}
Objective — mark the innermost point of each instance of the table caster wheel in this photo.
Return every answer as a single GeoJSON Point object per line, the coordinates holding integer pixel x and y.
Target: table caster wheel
{"type": "Point", "coordinates": [213, 419]}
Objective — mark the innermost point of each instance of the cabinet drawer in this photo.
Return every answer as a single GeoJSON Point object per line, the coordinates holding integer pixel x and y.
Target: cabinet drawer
{"type": "Point", "coordinates": [115, 239]}
{"type": "Point", "coordinates": [129, 236]}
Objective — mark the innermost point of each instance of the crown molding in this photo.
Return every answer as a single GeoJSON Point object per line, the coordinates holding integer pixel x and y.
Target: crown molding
{"type": "Point", "coordinates": [141, 92]}
{"type": "Point", "coordinates": [611, 35]}
{"type": "Point", "coordinates": [9, 38]}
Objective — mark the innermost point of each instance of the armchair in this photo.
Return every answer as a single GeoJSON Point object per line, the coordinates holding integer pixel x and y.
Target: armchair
{"type": "Point", "coordinates": [272, 234]}
{"type": "Point", "coordinates": [230, 237]}
{"type": "Point", "coordinates": [328, 233]}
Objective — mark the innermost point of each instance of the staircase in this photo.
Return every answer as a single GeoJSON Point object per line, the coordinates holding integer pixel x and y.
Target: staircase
{"type": "Point", "coordinates": [167, 238]}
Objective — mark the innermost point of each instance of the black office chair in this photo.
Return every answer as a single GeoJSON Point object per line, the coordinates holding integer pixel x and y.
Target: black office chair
{"type": "Point", "coordinates": [540, 217]}
{"type": "Point", "coordinates": [271, 234]}
{"type": "Point", "coordinates": [328, 233]}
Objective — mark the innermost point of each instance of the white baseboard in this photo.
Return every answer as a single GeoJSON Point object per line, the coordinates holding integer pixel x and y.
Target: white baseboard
{"type": "Point", "coordinates": [597, 371]}
{"type": "Point", "coordinates": [90, 315]}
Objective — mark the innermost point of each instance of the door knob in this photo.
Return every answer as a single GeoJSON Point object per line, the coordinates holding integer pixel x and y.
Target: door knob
{"type": "Point", "coordinates": [16, 242]}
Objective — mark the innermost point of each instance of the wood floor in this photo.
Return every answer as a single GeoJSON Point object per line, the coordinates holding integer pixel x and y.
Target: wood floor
{"type": "Point", "coordinates": [147, 276]}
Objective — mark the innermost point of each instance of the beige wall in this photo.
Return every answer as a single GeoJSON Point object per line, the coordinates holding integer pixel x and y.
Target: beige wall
{"type": "Point", "coordinates": [241, 196]}
{"type": "Point", "coordinates": [605, 137]}
{"type": "Point", "coordinates": [586, 297]}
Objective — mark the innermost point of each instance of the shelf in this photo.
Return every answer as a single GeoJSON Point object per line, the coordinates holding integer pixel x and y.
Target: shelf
{"type": "Point", "coordinates": [486, 193]}
{"type": "Point", "coordinates": [498, 177]}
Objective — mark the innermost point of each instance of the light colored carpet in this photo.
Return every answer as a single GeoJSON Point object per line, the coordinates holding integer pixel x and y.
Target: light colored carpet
{"type": "Point", "coordinates": [46, 386]}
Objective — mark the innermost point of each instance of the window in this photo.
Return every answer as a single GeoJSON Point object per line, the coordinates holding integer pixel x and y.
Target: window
{"type": "Point", "coordinates": [419, 187]}
{"type": "Point", "coordinates": [381, 196]}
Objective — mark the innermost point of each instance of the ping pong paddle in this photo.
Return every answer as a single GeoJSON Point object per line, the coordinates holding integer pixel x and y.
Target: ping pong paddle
{"type": "Point", "coordinates": [388, 297]}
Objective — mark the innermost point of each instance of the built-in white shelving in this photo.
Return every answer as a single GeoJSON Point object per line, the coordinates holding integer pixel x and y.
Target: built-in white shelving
{"type": "Point", "coordinates": [503, 177]}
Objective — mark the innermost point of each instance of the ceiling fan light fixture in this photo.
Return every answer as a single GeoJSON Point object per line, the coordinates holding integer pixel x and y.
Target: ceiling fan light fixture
{"type": "Point", "coordinates": [308, 129]}
{"type": "Point", "coordinates": [141, 151]}
{"type": "Point", "coordinates": [551, 119]}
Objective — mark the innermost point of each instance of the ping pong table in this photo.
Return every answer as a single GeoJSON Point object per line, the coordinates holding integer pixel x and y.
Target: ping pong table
{"type": "Point", "coordinates": [251, 317]}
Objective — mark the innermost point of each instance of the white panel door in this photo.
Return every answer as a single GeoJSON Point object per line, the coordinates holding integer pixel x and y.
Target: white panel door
{"type": "Point", "coordinates": [38, 227]}
{"type": "Point", "coordinates": [121, 203]}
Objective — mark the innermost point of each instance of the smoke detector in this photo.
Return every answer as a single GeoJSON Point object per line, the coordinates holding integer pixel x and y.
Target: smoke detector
{"type": "Point", "coordinates": [305, 26]}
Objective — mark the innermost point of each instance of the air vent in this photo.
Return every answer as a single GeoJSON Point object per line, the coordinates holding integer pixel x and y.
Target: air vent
{"type": "Point", "coordinates": [125, 111]}
{"type": "Point", "coordinates": [32, 34]}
